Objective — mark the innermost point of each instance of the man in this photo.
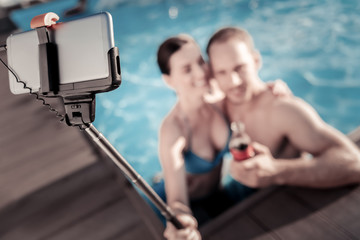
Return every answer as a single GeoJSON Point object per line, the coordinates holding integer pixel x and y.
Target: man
{"type": "Point", "coordinates": [282, 129]}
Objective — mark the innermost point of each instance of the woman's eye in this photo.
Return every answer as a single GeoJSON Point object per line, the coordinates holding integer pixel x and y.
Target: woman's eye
{"type": "Point", "coordinates": [187, 69]}
{"type": "Point", "coordinates": [201, 62]}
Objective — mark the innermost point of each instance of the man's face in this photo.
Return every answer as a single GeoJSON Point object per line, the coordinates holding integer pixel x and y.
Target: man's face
{"type": "Point", "coordinates": [235, 68]}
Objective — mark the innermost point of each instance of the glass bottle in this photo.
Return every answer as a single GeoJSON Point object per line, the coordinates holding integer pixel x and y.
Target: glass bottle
{"type": "Point", "coordinates": [239, 144]}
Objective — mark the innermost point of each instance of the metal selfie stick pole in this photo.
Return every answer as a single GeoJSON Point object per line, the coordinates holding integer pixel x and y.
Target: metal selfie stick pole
{"type": "Point", "coordinates": [130, 172]}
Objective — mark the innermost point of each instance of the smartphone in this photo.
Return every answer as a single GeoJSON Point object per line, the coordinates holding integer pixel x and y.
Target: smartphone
{"type": "Point", "coordinates": [84, 62]}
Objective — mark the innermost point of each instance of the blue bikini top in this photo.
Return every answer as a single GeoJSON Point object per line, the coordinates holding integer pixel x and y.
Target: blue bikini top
{"type": "Point", "coordinates": [197, 165]}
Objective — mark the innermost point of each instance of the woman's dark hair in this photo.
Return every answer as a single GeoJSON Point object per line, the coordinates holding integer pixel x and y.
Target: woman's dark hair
{"type": "Point", "coordinates": [168, 48]}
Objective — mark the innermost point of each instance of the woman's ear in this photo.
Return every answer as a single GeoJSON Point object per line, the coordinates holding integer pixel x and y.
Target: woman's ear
{"type": "Point", "coordinates": [257, 59]}
{"type": "Point", "coordinates": [168, 80]}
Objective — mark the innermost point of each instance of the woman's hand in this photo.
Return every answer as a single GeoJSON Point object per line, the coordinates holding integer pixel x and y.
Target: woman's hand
{"type": "Point", "coordinates": [279, 88]}
{"type": "Point", "coordinates": [189, 232]}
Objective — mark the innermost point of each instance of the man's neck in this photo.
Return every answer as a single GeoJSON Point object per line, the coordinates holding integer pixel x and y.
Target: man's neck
{"type": "Point", "coordinates": [237, 110]}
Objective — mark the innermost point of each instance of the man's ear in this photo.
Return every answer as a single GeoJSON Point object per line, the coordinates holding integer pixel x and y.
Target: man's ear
{"type": "Point", "coordinates": [168, 80]}
{"type": "Point", "coordinates": [258, 59]}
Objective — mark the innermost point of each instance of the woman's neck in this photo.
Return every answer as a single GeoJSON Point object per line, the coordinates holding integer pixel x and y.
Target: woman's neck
{"type": "Point", "coordinates": [189, 109]}
{"type": "Point", "coordinates": [190, 105]}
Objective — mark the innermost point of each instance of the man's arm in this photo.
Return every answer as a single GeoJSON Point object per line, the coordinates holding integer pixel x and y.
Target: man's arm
{"type": "Point", "coordinates": [335, 161]}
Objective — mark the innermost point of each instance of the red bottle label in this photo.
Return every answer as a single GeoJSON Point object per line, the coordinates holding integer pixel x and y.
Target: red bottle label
{"type": "Point", "coordinates": [241, 155]}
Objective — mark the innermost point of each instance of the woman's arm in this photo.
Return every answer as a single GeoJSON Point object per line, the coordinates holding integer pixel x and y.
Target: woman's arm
{"type": "Point", "coordinates": [171, 146]}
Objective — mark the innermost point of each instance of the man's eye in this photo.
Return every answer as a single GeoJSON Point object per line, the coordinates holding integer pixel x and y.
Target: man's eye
{"type": "Point", "coordinates": [239, 68]}
{"type": "Point", "coordinates": [220, 73]}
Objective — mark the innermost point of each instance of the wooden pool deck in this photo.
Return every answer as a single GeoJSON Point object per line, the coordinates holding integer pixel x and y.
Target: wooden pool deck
{"type": "Point", "coordinates": [54, 184]}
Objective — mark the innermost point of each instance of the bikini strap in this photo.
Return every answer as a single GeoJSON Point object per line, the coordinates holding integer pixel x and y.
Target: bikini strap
{"type": "Point", "coordinates": [226, 119]}
{"type": "Point", "coordinates": [188, 132]}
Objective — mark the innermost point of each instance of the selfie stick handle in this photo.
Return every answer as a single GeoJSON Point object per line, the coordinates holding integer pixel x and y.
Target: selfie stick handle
{"type": "Point", "coordinates": [130, 172]}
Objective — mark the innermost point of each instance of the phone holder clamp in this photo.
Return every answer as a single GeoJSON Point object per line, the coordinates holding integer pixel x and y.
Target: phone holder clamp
{"type": "Point", "coordinates": [80, 109]}
{"type": "Point", "coordinates": [48, 54]}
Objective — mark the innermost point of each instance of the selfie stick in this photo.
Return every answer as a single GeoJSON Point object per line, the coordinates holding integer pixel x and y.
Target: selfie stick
{"type": "Point", "coordinates": [80, 111]}
{"type": "Point", "coordinates": [129, 171]}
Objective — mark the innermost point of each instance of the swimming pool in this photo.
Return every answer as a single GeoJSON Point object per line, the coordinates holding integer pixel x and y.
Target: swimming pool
{"type": "Point", "coordinates": [312, 46]}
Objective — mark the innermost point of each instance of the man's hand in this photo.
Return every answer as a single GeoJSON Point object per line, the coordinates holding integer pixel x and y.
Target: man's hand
{"type": "Point", "coordinates": [190, 232]}
{"type": "Point", "coordinates": [259, 171]}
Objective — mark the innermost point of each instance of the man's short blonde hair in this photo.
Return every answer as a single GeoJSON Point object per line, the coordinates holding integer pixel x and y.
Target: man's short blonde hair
{"type": "Point", "coordinates": [224, 34]}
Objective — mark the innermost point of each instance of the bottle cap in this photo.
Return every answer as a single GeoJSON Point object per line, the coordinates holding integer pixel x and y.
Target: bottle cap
{"type": "Point", "coordinates": [237, 127]}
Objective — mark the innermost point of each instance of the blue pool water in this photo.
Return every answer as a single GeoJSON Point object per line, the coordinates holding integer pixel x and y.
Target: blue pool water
{"type": "Point", "coordinates": [312, 45]}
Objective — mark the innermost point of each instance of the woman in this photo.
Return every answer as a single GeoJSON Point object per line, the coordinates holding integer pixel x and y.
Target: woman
{"type": "Point", "coordinates": [189, 140]}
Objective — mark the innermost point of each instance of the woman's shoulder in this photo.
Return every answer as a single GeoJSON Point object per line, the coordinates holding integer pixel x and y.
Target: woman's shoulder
{"type": "Point", "coordinates": [168, 123]}
{"type": "Point", "coordinates": [171, 134]}
{"type": "Point", "coordinates": [170, 127]}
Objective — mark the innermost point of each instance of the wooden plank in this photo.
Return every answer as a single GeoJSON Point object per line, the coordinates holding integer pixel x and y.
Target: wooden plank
{"type": "Point", "coordinates": [24, 127]}
{"type": "Point", "coordinates": [33, 165]}
{"type": "Point", "coordinates": [241, 227]}
{"type": "Point", "coordinates": [21, 152]}
{"type": "Point", "coordinates": [135, 232]}
{"type": "Point", "coordinates": [266, 236]}
{"type": "Point", "coordinates": [41, 177]}
{"type": "Point", "coordinates": [345, 212]}
{"type": "Point", "coordinates": [33, 158]}
{"type": "Point", "coordinates": [115, 219]}
{"type": "Point", "coordinates": [57, 150]}
{"type": "Point", "coordinates": [66, 211]}
{"type": "Point", "coordinates": [24, 106]}
{"type": "Point", "coordinates": [22, 209]}
{"type": "Point", "coordinates": [10, 100]}
{"type": "Point", "coordinates": [318, 198]}
{"type": "Point", "coordinates": [150, 219]}
{"type": "Point", "coordinates": [217, 226]}
{"type": "Point", "coordinates": [289, 219]}
{"type": "Point", "coordinates": [21, 128]}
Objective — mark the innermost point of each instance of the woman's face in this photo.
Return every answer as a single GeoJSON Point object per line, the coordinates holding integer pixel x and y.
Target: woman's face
{"type": "Point", "coordinates": [188, 71]}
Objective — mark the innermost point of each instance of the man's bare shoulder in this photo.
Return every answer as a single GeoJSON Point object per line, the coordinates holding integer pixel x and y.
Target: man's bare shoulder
{"type": "Point", "coordinates": [284, 109]}
{"type": "Point", "coordinates": [290, 105]}
{"type": "Point", "coordinates": [267, 100]}
{"type": "Point", "coordinates": [290, 113]}
{"type": "Point", "coordinates": [281, 103]}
